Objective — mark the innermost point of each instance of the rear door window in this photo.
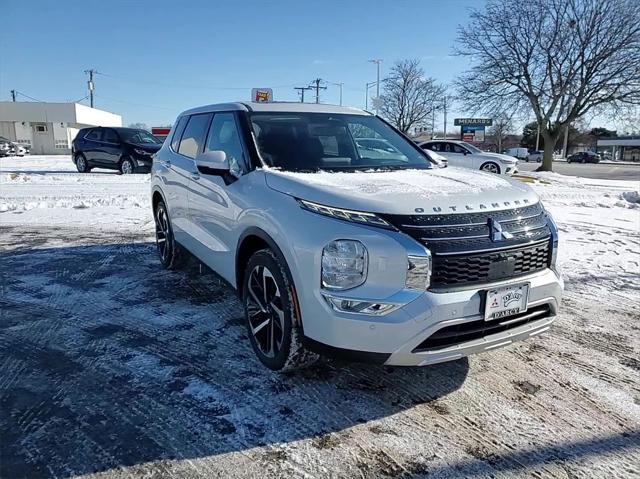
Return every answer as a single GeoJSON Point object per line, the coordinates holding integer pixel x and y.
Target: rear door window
{"type": "Point", "coordinates": [177, 133]}
{"type": "Point", "coordinates": [94, 135]}
{"type": "Point", "coordinates": [193, 138]}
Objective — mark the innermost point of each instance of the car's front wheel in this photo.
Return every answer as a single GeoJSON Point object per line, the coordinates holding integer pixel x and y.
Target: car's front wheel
{"type": "Point", "coordinates": [81, 164]}
{"type": "Point", "coordinates": [490, 167]}
{"type": "Point", "coordinates": [169, 251]}
{"type": "Point", "coordinates": [273, 322]}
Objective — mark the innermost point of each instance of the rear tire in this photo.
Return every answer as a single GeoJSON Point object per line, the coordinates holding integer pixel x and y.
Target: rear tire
{"type": "Point", "coordinates": [271, 317]}
{"type": "Point", "coordinates": [171, 255]}
{"type": "Point", "coordinates": [126, 166]}
{"type": "Point", "coordinates": [82, 165]}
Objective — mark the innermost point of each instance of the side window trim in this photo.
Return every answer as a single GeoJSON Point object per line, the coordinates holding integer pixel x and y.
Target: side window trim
{"type": "Point", "coordinates": [179, 130]}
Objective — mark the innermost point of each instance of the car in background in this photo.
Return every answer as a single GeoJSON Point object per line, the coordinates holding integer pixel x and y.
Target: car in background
{"type": "Point", "coordinates": [535, 155]}
{"type": "Point", "coordinates": [21, 150]}
{"type": "Point", "coordinates": [584, 157]}
{"type": "Point", "coordinates": [519, 153]}
{"type": "Point", "coordinates": [7, 147]}
{"type": "Point", "coordinates": [463, 154]}
{"type": "Point", "coordinates": [128, 150]}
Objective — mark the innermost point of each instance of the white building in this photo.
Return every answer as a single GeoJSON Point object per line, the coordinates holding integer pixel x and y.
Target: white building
{"type": "Point", "coordinates": [49, 128]}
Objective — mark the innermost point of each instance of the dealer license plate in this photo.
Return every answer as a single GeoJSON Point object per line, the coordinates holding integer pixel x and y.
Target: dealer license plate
{"type": "Point", "coordinates": [506, 301]}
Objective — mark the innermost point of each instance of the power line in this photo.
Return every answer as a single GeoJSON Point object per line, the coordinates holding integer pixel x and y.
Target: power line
{"type": "Point", "coordinates": [16, 92]}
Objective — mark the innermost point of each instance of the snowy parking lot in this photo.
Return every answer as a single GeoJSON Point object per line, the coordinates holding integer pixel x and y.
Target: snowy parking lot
{"type": "Point", "coordinates": [112, 367]}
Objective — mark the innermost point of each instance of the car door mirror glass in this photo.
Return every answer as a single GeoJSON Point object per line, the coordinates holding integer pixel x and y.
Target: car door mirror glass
{"type": "Point", "coordinates": [212, 162]}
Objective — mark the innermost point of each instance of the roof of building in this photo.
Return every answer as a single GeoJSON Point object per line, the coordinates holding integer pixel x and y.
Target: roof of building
{"type": "Point", "coordinates": [276, 107]}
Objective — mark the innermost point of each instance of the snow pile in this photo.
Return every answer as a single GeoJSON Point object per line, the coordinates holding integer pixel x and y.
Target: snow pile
{"type": "Point", "coordinates": [632, 197]}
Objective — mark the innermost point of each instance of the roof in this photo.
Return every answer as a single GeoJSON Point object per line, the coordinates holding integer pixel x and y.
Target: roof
{"type": "Point", "coordinates": [74, 114]}
{"type": "Point", "coordinates": [277, 107]}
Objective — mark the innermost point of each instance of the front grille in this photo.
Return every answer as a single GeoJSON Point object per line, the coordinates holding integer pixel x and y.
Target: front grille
{"type": "Point", "coordinates": [465, 254]}
{"type": "Point", "coordinates": [470, 269]}
{"type": "Point", "coordinates": [460, 333]}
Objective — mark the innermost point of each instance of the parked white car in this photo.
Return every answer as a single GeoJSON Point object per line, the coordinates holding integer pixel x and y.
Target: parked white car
{"type": "Point", "coordinates": [535, 156]}
{"type": "Point", "coordinates": [519, 153]}
{"type": "Point", "coordinates": [460, 153]}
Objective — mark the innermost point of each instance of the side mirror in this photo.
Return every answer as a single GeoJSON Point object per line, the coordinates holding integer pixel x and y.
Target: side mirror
{"type": "Point", "coordinates": [212, 163]}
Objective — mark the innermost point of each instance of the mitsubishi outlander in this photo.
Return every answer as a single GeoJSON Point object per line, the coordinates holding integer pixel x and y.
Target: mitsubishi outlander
{"type": "Point", "coordinates": [342, 248]}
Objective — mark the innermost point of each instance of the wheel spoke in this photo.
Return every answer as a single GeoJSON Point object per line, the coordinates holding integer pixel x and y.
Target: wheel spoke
{"type": "Point", "coordinates": [258, 328]}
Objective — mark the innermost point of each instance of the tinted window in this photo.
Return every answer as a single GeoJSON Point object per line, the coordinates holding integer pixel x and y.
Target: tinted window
{"type": "Point", "coordinates": [110, 136]}
{"type": "Point", "coordinates": [224, 136]}
{"type": "Point", "coordinates": [138, 136]}
{"type": "Point", "coordinates": [94, 135]}
{"type": "Point", "coordinates": [455, 148]}
{"type": "Point", "coordinates": [177, 133]}
{"type": "Point", "coordinates": [194, 134]}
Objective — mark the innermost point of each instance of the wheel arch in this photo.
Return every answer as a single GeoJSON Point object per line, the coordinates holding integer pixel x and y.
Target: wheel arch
{"type": "Point", "coordinates": [156, 197]}
{"type": "Point", "coordinates": [251, 240]}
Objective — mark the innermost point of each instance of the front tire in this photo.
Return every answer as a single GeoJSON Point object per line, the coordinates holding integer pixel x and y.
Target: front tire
{"type": "Point", "coordinates": [82, 165]}
{"type": "Point", "coordinates": [169, 251]}
{"type": "Point", "coordinates": [272, 319]}
{"type": "Point", "coordinates": [490, 167]}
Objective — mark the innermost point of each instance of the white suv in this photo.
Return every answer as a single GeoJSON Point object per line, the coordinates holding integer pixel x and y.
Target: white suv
{"type": "Point", "coordinates": [334, 250]}
{"type": "Point", "coordinates": [465, 155]}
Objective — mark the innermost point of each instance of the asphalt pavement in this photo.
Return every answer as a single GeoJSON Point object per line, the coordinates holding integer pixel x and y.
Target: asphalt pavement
{"type": "Point", "coordinates": [608, 171]}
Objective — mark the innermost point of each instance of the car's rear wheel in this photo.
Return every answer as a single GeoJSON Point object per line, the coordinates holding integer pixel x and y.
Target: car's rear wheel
{"type": "Point", "coordinates": [273, 321]}
{"type": "Point", "coordinates": [490, 167]}
{"type": "Point", "coordinates": [126, 166]}
{"type": "Point", "coordinates": [81, 164]}
{"type": "Point", "coordinates": [170, 253]}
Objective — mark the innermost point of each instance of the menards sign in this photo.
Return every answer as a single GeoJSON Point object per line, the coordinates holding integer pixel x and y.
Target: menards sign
{"type": "Point", "coordinates": [473, 121]}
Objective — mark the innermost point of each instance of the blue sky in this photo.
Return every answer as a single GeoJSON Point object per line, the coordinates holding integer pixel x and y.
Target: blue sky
{"type": "Point", "coordinates": [158, 58]}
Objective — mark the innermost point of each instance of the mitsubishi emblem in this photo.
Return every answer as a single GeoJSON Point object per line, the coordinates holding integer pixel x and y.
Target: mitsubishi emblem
{"type": "Point", "coordinates": [495, 231]}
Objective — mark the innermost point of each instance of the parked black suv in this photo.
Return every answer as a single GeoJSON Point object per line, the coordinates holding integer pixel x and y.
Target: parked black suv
{"type": "Point", "coordinates": [128, 150]}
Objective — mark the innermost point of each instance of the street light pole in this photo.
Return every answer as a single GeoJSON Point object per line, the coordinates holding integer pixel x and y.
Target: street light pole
{"type": "Point", "coordinates": [340, 84]}
{"type": "Point", "coordinates": [366, 95]}
{"type": "Point", "coordinates": [377, 61]}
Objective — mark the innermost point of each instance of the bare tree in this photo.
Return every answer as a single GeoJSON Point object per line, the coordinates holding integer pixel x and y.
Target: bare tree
{"type": "Point", "coordinates": [409, 97]}
{"type": "Point", "coordinates": [139, 126]}
{"type": "Point", "coordinates": [501, 127]}
{"type": "Point", "coordinates": [562, 59]}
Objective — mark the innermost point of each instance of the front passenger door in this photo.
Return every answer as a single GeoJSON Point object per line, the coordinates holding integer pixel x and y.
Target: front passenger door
{"type": "Point", "coordinates": [213, 207]}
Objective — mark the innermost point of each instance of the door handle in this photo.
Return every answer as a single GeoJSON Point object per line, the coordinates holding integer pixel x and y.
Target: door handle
{"type": "Point", "coordinates": [165, 163]}
{"type": "Point", "coordinates": [195, 176]}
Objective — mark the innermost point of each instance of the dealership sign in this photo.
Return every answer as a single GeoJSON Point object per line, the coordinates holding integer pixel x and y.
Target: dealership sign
{"type": "Point", "coordinates": [473, 133]}
{"type": "Point", "coordinates": [261, 95]}
{"type": "Point", "coordinates": [473, 121]}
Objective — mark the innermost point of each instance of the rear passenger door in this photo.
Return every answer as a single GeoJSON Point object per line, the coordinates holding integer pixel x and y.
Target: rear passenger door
{"type": "Point", "coordinates": [91, 146]}
{"type": "Point", "coordinates": [180, 167]}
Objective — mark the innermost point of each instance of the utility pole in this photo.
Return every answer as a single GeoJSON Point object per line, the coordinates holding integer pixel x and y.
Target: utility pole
{"type": "Point", "coordinates": [317, 87]}
{"type": "Point", "coordinates": [90, 84]}
{"type": "Point", "coordinates": [302, 90]}
{"type": "Point", "coordinates": [340, 84]}
{"type": "Point", "coordinates": [13, 96]}
{"type": "Point", "coordinates": [444, 106]}
{"type": "Point", "coordinates": [377, 61]}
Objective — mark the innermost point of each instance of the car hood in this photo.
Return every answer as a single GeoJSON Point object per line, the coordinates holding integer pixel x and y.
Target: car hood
{"type": "Point", "coordinates": [500, 156]}
{"type": "Point", "coordinates": [452, 190]}
{"type": "Point", "coordinates": [150, 147]}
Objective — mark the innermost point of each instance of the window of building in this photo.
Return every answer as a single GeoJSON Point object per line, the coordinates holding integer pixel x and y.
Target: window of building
{"type": "Point", "coordinates": [40, 128]}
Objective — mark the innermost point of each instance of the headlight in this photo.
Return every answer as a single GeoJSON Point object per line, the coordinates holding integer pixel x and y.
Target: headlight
{"type": "Point", "coordinates": [347, 215]}
{"type": "Point", "coordinates": [344, 264]}
{"type": "Point", "coordinates": [141, 152]}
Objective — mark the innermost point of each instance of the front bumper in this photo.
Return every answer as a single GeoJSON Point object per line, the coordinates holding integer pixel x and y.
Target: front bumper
{"type": "Point", "coordinates": [394, 339]}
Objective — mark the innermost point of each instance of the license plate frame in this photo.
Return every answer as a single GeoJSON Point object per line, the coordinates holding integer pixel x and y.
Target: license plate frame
{"type": "Point", "coordinates": [505, 301]}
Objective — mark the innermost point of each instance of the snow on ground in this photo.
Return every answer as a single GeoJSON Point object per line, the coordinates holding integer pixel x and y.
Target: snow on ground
{"type": "Point", "coordinates": [111, 367]}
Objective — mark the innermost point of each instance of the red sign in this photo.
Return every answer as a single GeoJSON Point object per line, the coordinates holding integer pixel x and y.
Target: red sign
{"type": "Point", "coordinates": [468, 137]}
{"type": "Point", "coordinates": [160, 130]}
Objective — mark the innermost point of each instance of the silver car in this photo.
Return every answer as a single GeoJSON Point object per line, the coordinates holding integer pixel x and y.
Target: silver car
{"type": "Point", "coordinates": [466, 155]}
{"type": "Point", "coordinates": [337, 251]}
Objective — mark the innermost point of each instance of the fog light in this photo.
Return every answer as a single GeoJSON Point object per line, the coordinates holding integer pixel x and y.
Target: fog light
{"type": "Point", "coordinates": [345, 305]}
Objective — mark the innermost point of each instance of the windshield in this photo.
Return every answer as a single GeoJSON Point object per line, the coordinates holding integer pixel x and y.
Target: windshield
{"type": "Point", "coordinates": [336, 142]}
{"type": "Point", "coordinates": [470, 147]}
{"type": "Point", "coordinates": [138, 136]}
